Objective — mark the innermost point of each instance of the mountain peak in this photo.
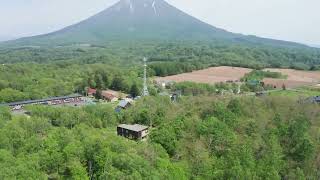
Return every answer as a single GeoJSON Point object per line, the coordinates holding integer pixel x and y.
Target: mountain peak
{"type": "Point", "coordinates": [134, 5]}
{"type": "Point", "coordinates": [142, 20]}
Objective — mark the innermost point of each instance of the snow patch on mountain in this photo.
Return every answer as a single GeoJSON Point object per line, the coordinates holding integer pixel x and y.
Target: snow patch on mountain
{"type": "Point", "coordinates": [154, 7]}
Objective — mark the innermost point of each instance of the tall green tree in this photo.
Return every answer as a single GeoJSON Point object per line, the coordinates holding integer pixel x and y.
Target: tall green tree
{"type": "Point", "coordinates": [134, 90]}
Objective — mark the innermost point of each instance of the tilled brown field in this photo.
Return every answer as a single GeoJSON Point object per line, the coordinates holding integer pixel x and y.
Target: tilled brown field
{"type": "Point", "coordinates": [211, 75]}
{"type": "Point", "coordinates": [225, 73]}
{"type": "Point", "coordinates": [295, 78]}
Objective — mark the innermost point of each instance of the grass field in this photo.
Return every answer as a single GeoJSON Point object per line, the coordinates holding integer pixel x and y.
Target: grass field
{"type": "Point", "coordinates": [299, 92]}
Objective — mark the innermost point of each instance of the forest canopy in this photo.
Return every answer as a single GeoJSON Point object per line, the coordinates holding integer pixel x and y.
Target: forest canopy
{"type": "Point", "coordinates": [195, 138]}
{"type": "Point", "coordinates": [201, 136]}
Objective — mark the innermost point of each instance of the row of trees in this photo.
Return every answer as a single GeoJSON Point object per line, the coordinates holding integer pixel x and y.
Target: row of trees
{"type": "Point", "coordinates": [257, 57]}
{"type": "Point", "coordinates": [172, 68]}
{"type": "Point", "coordinates": [259, 75]}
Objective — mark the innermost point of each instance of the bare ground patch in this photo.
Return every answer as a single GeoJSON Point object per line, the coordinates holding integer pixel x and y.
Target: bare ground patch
{"type": "Point", "coordinates": [211, 75]}
{"type": "Point", "coordinates": [295, 78]}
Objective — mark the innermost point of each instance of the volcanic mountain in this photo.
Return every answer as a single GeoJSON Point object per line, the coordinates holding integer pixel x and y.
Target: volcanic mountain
{"type": "Point", "coordinates": [130, 20]}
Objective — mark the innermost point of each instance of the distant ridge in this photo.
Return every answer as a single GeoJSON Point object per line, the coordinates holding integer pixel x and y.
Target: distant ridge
{"type": "Point", "coordinates": [132, 20]}
{"type": "Point", "coordinates": [315, 45]}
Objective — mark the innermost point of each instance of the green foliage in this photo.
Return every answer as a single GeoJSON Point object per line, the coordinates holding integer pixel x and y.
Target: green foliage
{"type": "Point", "coordinates": [271, 163]}
{"type": "Point", "coordinates": [194, 89]}
{"type": "Point", "coordinates": [40, 148]}
{"type": "Point", "coordinates": [98, 94]}
{"type": "Point", "coordinates": [22, 167]}
{"type": "Point", "coordinates": [118, 84]}
{"type": "Point", "coordinates": [169, 57]}
{"type": "Point", "coordinates": [235, 107]}
{"type": "Point", "coordinates": [199, 137]}
{"type": "Point", "coordinates": [5, 114]}
{"type": "Point", "coordinates": [36, 81]}
{"type": "Point", "coordinates": [219, 136]}
{"type": "Point", "coordinates": [223, 113]}
{"type": "Point", "coordinates": [258, 75]}
{"type": "Point", "coordinates": [11, 95]}
{"type": "Point", "coordinates": [172, 68]}
{"type": "Point", "coordinates": [300, 146]}
{"type": "Point", "coordinates": [165, 136]}
{"type": "Point", "coordinates": [134, 90]}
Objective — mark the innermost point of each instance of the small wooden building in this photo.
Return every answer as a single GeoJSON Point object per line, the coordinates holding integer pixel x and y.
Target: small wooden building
{"type": "Point", "coordinates": [124, 104]}
{"type": "Point", "coordinates": [134, 132]}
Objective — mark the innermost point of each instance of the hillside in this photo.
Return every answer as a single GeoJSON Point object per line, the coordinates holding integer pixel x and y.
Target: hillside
{"type": "Point", "coordinates": [136, 20]}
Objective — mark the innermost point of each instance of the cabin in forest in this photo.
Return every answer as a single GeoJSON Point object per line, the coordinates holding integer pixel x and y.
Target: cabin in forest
{"type": "Point", "coordinates": [109, 97]}
{"type": "Point", "coordinates": [133, 132]}
{"type": "Point", "coordinates": [124, 104]}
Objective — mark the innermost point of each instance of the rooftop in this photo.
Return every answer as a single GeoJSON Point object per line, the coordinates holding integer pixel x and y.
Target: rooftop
{"type": "Point", "coordinates": [111, 92]}
{"type": "Point", "coordinates": [135, 127]}
{"type": "Point", "coordinates": [107, 95]}
{"type": "Point", "coordinates": [92, 91]}
{"type": "Point", "coordinates": [316, 98]}
{"type": "Point", "coordinates": [123, 103]}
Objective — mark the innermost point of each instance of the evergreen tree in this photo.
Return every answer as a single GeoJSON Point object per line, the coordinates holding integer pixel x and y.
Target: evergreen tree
{"type": "Point", "coordinates": [134, 90]}
{"type": "Point", "coordinates": [98, 94]}
{"type": "Point", "coordinates": [118, 83]}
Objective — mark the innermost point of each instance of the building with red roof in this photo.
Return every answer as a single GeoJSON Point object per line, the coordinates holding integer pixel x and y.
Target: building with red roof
{"type": "Point", "coordinates": [91, 91]}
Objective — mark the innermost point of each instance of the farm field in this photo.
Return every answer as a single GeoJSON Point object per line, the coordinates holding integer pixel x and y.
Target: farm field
{"type": "Point", "coordinates": [295, 78]}
{"type": "Point", "coordinates": [211, 75]}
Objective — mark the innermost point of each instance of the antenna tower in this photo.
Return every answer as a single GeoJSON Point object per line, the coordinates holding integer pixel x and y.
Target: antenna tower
{"type": "Point", "coordinates": [145, 85]}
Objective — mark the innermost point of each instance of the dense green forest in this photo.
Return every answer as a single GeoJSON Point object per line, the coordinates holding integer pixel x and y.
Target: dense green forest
{"type": "Point", "coordinates": [202, 137]}
{"type": "Point", "coordinates": [34, 81]}
{"type": "Point", "coordinates": [202, 54]}
{"type": "Point", "coordinates": [30, 81]}
{"type": "Point", "coordinates": [37, 72]}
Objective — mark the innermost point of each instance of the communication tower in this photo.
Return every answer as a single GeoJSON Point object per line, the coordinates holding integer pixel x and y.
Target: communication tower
{"type": "Point", "coordinates": [145, 85]}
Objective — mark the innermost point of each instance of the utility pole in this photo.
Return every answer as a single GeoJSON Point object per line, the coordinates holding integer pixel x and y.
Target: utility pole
{"type": "Point", "coordinates": [145, 85]}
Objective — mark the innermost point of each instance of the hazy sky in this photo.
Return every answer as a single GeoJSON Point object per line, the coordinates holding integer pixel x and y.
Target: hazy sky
{"type": "Point", "coordinates": [294, 20]}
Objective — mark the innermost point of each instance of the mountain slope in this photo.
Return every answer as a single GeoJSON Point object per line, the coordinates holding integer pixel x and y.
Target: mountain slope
{"type": "Point", "coordinates": [130, 20]}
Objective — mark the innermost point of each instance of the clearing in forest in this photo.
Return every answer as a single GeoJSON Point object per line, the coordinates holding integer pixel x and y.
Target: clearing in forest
{"type": "Point", "coordinates": [295, 78]}
{"type": "Point", "coordinates": [211, 75]}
